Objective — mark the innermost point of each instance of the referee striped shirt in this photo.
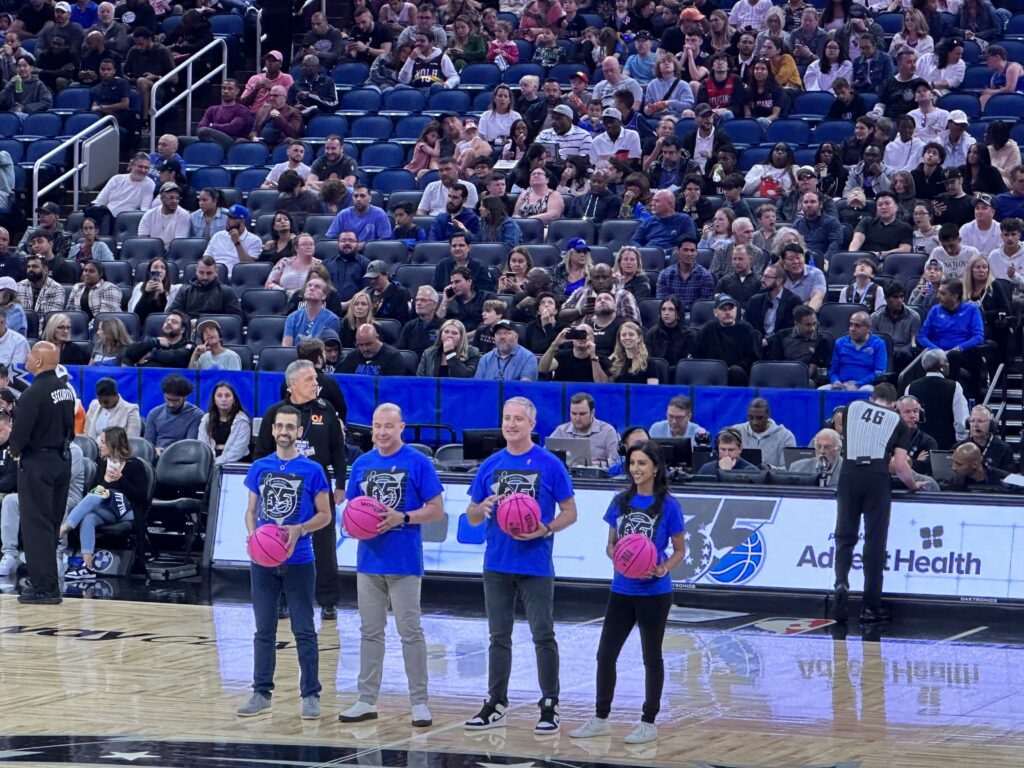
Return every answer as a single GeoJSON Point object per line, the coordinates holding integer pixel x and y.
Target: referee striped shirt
{"type": "Point", "coordinates": [871, 431]}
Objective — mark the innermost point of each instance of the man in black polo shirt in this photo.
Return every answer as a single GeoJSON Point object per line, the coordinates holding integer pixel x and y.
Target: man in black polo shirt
{"type": "Point", "coordinates": [32, 17]}
{"type": "Point", "coordinates": [367, 40]}
{"type": "Point", "coordinates": [462, 301]}
{"type": "Point", "coordinates": [578, 363]}
{"type": "Point", "coordinates": [333, 165]}
{"type": "Point", "coordinates": [954, 206]}
{"type": "Point", "coordinates": [884, 233]}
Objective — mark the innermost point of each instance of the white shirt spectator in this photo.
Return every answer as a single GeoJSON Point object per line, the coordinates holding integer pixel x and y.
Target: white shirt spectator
{"type": "Point", "coordinates": [954, 266]}
{"type": "Point", "coordinates": [815, 80]}
{"type": "Point", "coordinates": [492, 125]}
{"type": "Point", "coordinates": [931, 126]}
{"type": "Point", "coordinates": [223, 249]}
{"type": "Point", "coordinates": [605, 91]}
{"type": "Point", "coordinates": [928, 69]}
{"type": "Point", "coordinates": [985, 242]}
{"type": "Point", "coordinates": [435, 197]}
{"type": "Point", "coordinates": [956, 154]}
{"type": "Point", "coordinates": [904, 155]}
{"type": "Point", "coordinates": [121, 194]}
{"type": "Point", "coordinates": [603, 147]}
{"type": "Point", "coordinates": [277, 170]}
{"type": "Point", "coordinates": [166, 226]}
{"type": "Point", "coordinates": [1000, 264]}
{"type": "Point", "coordinates": [13, 349]}
{"type": "Point", "coordinates": [753, 15]}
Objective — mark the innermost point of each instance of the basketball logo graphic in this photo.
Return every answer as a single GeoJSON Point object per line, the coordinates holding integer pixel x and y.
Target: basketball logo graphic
{"type": "Point", "coordinates": [515, 481]}
{"type": "Point", "coordinates": [280, 495]}
{"type": "Point", "coordinates": [741, 563]}
{"type": "Point", "coordinates": [386, 487]}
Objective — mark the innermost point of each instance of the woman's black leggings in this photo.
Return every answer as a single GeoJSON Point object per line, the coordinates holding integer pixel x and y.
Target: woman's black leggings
{"type": "Point", "coordinates": [624, 612]}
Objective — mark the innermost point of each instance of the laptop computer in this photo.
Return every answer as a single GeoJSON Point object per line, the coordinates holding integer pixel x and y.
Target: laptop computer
{"type": "Point", "coordinates": [795, 454]}
{"type": "Point", "coordinates": [576, 449]}
{"type": "Point", "coordinates": [942, 466]}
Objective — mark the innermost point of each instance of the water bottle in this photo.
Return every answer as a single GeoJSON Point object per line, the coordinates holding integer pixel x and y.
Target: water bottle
{"type": "Point", "coordinates": [19, 86]}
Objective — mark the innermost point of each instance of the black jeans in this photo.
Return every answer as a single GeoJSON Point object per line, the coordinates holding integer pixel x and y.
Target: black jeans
{"type": "Point", "coordinates": [867, 493]}
{"type": "Point", "coordinates": [650, 613]}
{"type": "Point", "coordinates": [44, 477]}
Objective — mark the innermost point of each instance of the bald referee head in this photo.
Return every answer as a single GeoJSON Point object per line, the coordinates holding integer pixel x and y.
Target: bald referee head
{"type": "Point", "coordinates": [43, 357]}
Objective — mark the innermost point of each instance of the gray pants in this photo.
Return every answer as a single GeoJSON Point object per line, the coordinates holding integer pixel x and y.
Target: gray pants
{"type": "Point", "coordinates": [10, 521]}
{"type": "Point", "coordinates": [374, 594]}
{"type": "Point", "coordinates": [538, 594]}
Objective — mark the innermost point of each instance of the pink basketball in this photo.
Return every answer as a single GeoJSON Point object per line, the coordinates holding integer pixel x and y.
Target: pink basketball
{"type": "Point", "coordinates": [518, 514]}
{"type": "Point", "coordinates": [361, 517]}
{"type": "Point", "coordinates": [635, 555]}
{"type": "Point", "coordinates": [268, 545]}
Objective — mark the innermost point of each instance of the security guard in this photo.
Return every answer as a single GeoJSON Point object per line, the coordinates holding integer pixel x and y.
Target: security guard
{"type": "Point", "coordinates": [874, 435]}
{"type": "Point", "coordinates": [39, 440]}
{"type": "Point", "coordinates": [322, 442]}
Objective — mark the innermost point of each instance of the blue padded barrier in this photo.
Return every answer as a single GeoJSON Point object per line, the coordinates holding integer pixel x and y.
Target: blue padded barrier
{"type": "Point", "coordinates": [360, 397]}
{"type": "Point", "coordinates": [715, 408]}
{"type": "Point", "coordinates": [127, 380]}
{"type": "Point", "coordinates": [268, 390]}
{"type": "Point", "coordinates": [465, 404]}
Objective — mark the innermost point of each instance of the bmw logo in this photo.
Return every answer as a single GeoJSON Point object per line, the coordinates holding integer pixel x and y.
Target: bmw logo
{"type": "Point", "coordinates": [102, 560]}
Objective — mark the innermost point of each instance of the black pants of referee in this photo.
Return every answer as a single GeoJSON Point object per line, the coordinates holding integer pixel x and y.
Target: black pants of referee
{"type": "Point", "coordinates": [325, 554]}
{"type": "Point", "coordinates": [868, 494]}
{"type": "Point", "coordinates": [44, 477]}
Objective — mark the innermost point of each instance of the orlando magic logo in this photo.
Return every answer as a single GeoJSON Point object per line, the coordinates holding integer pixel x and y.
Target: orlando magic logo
{"type": "Point", "coordinates": [636, 521]}
{"type": "Point", "coordinates": [280, 495]}
{"type": "Point", "coordinates": [387, 487]}
{"type": "Point", "coordinates": [516, 481]}
{"type": "Point", "coordinates": [102, 560]}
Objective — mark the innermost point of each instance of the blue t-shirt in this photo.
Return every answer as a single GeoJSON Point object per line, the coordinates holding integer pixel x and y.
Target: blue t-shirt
{"type": "Point", "coordinates": [286, 491]}
{"type": "Point", "coordinates": [299, 326]}
{"type": "Point", "coordinates": [404, 481]}
{"type": "Point", "coordinates": [537, 473]}
{"type": "Point", "coordinates": [636, 520]}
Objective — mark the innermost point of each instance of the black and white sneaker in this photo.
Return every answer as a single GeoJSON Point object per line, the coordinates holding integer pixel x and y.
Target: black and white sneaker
{"type": "Point", "coordinates": [79, 573]}
{"type": "Point", "coordinates": [491, 716]}
{"type": "Point", "coordinates": [548, 723]}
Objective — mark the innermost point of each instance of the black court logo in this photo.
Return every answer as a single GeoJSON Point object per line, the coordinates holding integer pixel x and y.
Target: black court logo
{"type": "Point", "coordinates": [931, 538]}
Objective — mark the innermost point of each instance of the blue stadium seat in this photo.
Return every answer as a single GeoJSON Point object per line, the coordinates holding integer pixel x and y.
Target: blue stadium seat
{"type": "Point", "coordinates": [370, 128]}
{"type": "Point", "coordinates": [805, 155]}
{"type": "Point", "coordinates": [1008, 105]}
{"type": "Point", "coordinates": [262, 201]}
{"type": "Point", "coordinates": [479, 76]}
{"type": "Point", "coordinates": [448, 101]}
{"type": "Point", "coordinates": [359, 101]}
{"type": "Point", "coordinates": [38, 148]}
{"type": "Point", "coordinates": [525, 50]}
{"type": "Point", "coordinates": [833, 130]}
{"type": "Point", "coordinates": [318, 225]}
{"type": "Point", "coordinates": [792, 132]}
{"type": "Point", "coordinates": [73, 99]}
{"type": "Point", "coordinates": [398, 196]}
{"type": "Point", "coordinates": [532, 229]}
{"type": "Point", "coordinates": [1014, 49]}
{"type": "Point", "coordinates": [14, 148]}
{"type": "Point", "coordinates": [615, 233]}
{"type": "Point", "coordinates": [250, 179]}
{"type": "Point", "coordinates": [403, 102]}
{"type": "Point", "coordinates": [408, 129]}
{"type": "Point", "coordinates": [203, 153]}
{"type": "Point", "coordinates": [351, 74]}
{"type": "Point", "coordinates": [263, 301]}
{"type": "Point", "coordinates": [516, 72]}
{"type": "Point", "coordinates": [562, 231]}
{"type": "Point", "coordinates": [1014, 28]}
{"type": "Point", "coordinates": [972, 53]}
{"type": "Point", "coordinates": [10, 125]}
{"type": "Point", "coordinates": [79, 121]}
{"type": "Point", "coordinates": [248, 155]}
{"type": "Point", "coordinates": [412, 276]}
{"type": "Point", "coordinates": [482, 101]}
{"type": "Point", "coordinates": [744, 133]}
{"type": "Point", "coordinates": [210, 176]}
{"type": "Point", "coordinates": [593, 20]}
{"type": "Point", "coordinates": [45, 124]}
{"type": "Point", "coordinates": [393, 180]}
{"type": "Point", "coordinates": [427, 178]}
{"type": "Point", "coordinates": [976, 77]}
{"type": "Point", "coordinates": [226, 24]}
{"type": "Point", "coordinates": [393, 252]}
{"type": "Point", "coordinates": [168, 25]}
{"type": "Point", "coordinates": [384, 155]}
{"type": "Point", "coordinates": [968, 102]}
{"type": "Point", "coordinates": [811, 105]}
{"type": "Point", "coordinates": [891, 23]}
{"type": "Point", "coordinates": [750, 157]}
{"type": "Point", "coordinates": [186, 250]}
{"type": "Point", "coordinates": [563, 72]}
{"type": "Point", "coordinates": [322, 126]}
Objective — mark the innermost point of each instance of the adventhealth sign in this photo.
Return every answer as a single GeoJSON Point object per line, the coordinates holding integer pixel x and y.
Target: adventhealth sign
{"type": "Point", "coordinates": [971, 551]}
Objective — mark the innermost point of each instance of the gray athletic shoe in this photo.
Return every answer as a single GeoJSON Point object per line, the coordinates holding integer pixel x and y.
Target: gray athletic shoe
{"type": "Point", "coordinates": [310, 707]}
{"type": "Point", "coordinates": [257, 705]}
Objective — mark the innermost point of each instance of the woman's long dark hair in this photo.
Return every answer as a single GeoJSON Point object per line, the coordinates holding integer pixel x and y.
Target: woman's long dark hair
{"type": "Point", "coordinates": [824, 65]}
{"type": "Point", "coordinates": [213, 414]}
{"type": "Point", "coordinates": [836, 165]}
{"type": "Point", "coordinates": [828, 15]}
{"type": "Point", "coordinates": [167, 273]}
{"type": "Point", "coordinates": [497, 212]}
{"type": "Point", "coordinates": [117, 443]}
{"type": "Point", "coordinates": [674, 301]}
{"type": "Point", "coordinates": [998, 133]}
{"type": "Point", "coordinates": [651, 451]}
{"type": "Point", "coordinates": [943, 49]}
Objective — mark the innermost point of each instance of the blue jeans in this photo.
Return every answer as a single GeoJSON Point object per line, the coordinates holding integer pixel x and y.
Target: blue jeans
{"type": "Point", "coordinates": [93, 511]}
{"type": "Point", "coordinates": [297, 582]}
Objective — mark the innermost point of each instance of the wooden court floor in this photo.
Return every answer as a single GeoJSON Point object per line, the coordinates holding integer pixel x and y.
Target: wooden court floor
{"type": "Point", "coordinates": [157, 684]}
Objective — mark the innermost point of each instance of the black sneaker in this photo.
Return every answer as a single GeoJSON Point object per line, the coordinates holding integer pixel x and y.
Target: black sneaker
{"type": "Point", "coordinates": [839, 604]}
{"type": "Point", "coordinates": [491, 716]}
{"type": "Point", "coordinates": [329, 613]}
{"type": "Point", "coordinates": [34, 597]}
{"type": "Point", "coordinates": [548, 723]}
{"type": "Point", "coordinates": [79, 573]}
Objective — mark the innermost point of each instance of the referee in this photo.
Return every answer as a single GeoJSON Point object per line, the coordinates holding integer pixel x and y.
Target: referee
{"type": "Point", "coordinates": [40, 440]}
{"type": "Point", "coordinates": [874, 435]}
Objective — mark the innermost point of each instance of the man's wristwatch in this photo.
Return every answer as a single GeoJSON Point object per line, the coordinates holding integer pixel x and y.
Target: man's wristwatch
{"type": "Point", "coordinates": [405, 518]}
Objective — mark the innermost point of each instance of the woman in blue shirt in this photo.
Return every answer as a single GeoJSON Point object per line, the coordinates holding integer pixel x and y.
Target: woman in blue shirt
{"type": "Point", "coordinates": [645, 507]}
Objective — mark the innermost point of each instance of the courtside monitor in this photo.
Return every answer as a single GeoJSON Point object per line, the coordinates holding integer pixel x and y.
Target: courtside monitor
{"type": "Point", "coordinates": [675, 451]}
{"type": "Point", "coordinates": [479, 444]}
{"type": "Point", "coordinates": [782, 477]}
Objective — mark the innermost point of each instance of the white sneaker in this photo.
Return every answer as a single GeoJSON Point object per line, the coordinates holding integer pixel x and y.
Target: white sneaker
{"type": "Point", "coordinates": [596, 726]}
{"type": "Point", "coordinates": [358, 712]}
{"type": "Point", "coordinates": [8, 565]}
{"type": "Point", "coordinates": [642, 734]}
{"type": "Point", "coordinates": [421, 717]}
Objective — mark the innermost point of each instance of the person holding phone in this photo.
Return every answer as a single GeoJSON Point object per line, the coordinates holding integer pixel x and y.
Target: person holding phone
{"type": "Point", "coordinates": [579, 362]}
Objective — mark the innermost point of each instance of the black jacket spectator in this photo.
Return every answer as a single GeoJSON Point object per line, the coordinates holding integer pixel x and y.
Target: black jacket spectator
{"type": "Point", "coordinates": [596, 208]}
{"type": "Point", "coordinates": [417, 335]}
{"type": "Point", "coordinates": [736, 345]}
{"type": "Point", "coordinates": [539, 338]}
{"type": "Point", "coordinates": [214, 298]}
{"type": "Point", "coordinates": [671, 343]}
{"type": "Point", "coordinates": [788, 301]}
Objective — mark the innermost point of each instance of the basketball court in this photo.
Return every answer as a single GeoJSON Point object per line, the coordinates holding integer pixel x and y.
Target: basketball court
{"type": "Point", "coordinates": [130, 674]}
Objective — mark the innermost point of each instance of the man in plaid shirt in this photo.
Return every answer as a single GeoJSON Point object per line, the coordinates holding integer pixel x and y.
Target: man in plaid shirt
{"type": "Point", "coordinates": [39, 292]}
{"type": "Point", "coordinates": [688, 281]}
{"type": "Point", "coordinates": [581, 303]}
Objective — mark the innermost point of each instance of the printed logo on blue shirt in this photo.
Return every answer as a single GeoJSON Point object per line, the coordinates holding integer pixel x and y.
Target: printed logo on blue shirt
{"type": "Point", "coordinates": [636, 521]}
{"type": "Point", "coordinates": [279, 495]}
{"type": "Point", "coordinates": [387, 487]}
{"type": "Point", "coordinates": [516, 481]}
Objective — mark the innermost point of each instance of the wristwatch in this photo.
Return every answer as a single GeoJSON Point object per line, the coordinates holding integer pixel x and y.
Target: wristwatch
{"type": "Point", "coordinates": [405, 518]}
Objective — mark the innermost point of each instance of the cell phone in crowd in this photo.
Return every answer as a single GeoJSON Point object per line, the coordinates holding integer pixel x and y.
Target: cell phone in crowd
{"type": "Point", "coordinates": [576, 334]}
{"type": "Point", "coordinates": [449, 292]}
{"type": "Point", "coordinates": [154, 275]}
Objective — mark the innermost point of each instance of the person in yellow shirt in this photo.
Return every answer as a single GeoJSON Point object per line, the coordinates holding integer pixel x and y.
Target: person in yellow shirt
{"type": "Point", "coordinates": [783, 66]}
